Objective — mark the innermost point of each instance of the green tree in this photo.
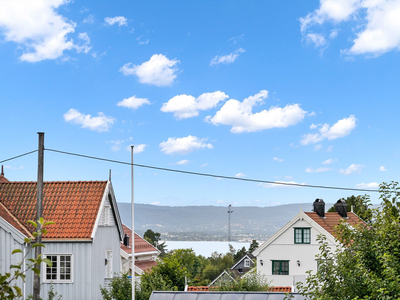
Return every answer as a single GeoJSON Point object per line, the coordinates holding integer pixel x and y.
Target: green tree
{"type": "Point", "coordinates": [361, 206]}
{"type": "Point", "coordinates": [250, 282]}
{"type": "Point", "coordinates": [154, 239]}
{"type": "Point", "coordinates": [120, 288]}
{"type": "Point", "coordinates": [149, 282]}
{"type": "Point", "coordinates": [366, 264]}
{"type": "Point", "coordinates": [239, 254]}
{"type": "Point", "coordinates": [253, 246]}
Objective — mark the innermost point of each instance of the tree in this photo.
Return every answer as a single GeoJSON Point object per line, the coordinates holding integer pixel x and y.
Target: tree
{"type": "Point", "coordinates": [250, 282]}
{"type": "Point", "coordinates": [361, 206]}
{"type": "Point", "coordinates": [253, 246]}
{"type": "Point", "coordinates": [239, 254]}
{"type": "Point", "coordinates": [120, 288]}
{"type": "Point", "coordinates": [366, 264]}
{"type": "Point", "coordinates": [154, 239]}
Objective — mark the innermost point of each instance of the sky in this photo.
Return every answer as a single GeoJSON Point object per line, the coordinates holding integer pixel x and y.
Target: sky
{"type": "Point", "coordinates": [302, 92]}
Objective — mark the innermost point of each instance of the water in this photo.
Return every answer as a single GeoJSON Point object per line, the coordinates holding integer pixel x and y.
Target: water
{"type": "Point", "coordinates": [205, 248]}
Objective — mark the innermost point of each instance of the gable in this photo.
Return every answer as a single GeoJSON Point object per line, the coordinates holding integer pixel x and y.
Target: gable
{"type": "Point", "coordinates": [107, 216]}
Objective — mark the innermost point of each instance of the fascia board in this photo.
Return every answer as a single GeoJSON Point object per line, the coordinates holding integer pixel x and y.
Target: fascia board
{"type": "Point", "coordinates": [116, 211]}
{"type": "Point", "coordinates": [124, 254]}
{"type": "Point", "coordinates": [241, 260]}
{"type": "Point", "coordinates": [103, 200]}
{"type": "Point", "coordinates": [15, 233]}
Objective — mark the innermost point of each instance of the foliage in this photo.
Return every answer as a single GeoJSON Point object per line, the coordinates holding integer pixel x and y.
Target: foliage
{"type": "Point", "coordinates": [253, 246]}
{"type": "Point", "coordinates": [8, 286]}
{"type": "Point", "coordinates": [361, 207]}
{"type": "Point", "coordinates": [366, 265]}
{"type": "Point", "coordinates": [120, 288]}
{"type": "Point", "coordinates": [154, 239]}
{"type": "Point", "coordinates": [149, 282]}
{"type": "Point", "coordinates": [250, 282]}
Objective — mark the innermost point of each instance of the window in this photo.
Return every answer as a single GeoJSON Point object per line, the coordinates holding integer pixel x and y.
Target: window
{"type": "Point", "coordinates": [247, 263]}
{"type": "Point", "coordinates": [61, 270]}
{"type": "Point", "coordinates": [280, 267]}
{"type": "Point", "coordinates": [302, 235]}
{"type": "Point", "coordinates": [107, 215]}
{"type": "Point", "coordinates": [109, 264]}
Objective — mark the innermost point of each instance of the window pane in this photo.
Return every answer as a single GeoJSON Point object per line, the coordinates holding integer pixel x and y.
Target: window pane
{"type": "Point", "coordinates": [285, 268]}
{"type": "Point", "coordinates": [275, 267]}
{"type": "Point", "coordinates": [297, 236]}
{"type": "Point", "coordinates": [306, 235]}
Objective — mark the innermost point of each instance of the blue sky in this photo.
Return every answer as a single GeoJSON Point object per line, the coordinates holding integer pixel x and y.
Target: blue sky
{"type": "Point", "coordinates": [302, 92]}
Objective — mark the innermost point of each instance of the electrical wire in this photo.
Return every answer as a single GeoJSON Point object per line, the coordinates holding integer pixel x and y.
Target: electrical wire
{"type": "Point", "coordinates": [18, 156]}
{"type": "Point", "coordinates": [213, 175]}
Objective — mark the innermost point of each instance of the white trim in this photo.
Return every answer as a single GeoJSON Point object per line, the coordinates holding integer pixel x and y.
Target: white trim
{"type": "Point", "coordinates": [15, 233]}
{"type": "Point", "coordinates": [220, 276]}
{"type": "Point", "coordinates": [58, 268]}
{"type": "Point", "coordinates": [103, 200]}
{"type": "Point", "coordinates": [241, 260]}
{"type": "Point", "coordinates": [146, 253]}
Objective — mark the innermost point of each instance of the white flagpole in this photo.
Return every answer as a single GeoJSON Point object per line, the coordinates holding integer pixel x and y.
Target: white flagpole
{"type": "Point", "coordinates": [133, 229]}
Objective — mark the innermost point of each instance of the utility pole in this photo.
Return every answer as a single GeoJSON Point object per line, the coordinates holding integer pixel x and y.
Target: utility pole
{"type": "Point", "coordinates": [229, 222]}
{"type": "Point", "coordinates": [39, 213]}
{"type": "Point", "coordinates": [133, 229]}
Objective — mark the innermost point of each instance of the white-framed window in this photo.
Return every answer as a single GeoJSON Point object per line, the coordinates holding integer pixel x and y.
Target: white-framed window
{"type": "Point", "coordinates": [247, 263]}
{"type": "Point", "coordinates": [62, 269]}
{"type": "Point", "coordinates": [109, 264]}
{"type": "Point", "coordinates": [107, 215]}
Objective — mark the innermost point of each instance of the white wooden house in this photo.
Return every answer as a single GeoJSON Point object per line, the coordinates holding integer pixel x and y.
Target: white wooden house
{"type": "Point", "coordinates": [290, 252]}
{"type": "Point", "coordinates": [84, 244]}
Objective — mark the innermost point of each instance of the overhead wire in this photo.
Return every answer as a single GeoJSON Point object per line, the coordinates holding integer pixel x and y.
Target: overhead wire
{"type": "Point", "coordinates": [8, 159]}
{"type": "Point", "coordinates": [213, 175]}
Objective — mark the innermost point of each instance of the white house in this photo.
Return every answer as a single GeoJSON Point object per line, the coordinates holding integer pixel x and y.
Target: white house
{"type": "Point", "coordinates": [289, 253]}
{"type": "Point", "coordinates": [145, 253]}
{"type": "Point", "coordinates": [84, 244]}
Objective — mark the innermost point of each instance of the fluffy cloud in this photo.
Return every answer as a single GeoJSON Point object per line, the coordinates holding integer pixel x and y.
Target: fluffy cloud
{"type": "Point", "coordinates": [341, 128]}
{"type": "Point", "coordinates": [182, 162]}
{"type": "Point", "coordinates": [284, 184]}
{"type": "Point", "coordinates": [352, 169]}
{"type": "Point", "coordinates": [371, 185]}
{"type": "Point", "coordinates": [382, 169]}
{"type": "Point", "coordinates": [239, 115]}
{"type": "Point", "coordinates": [317, 170]}
{"type": "Point", "coordinates": [278, 159]}
{"type": "Point", "coordinates": [159, 70]}
{"type": "Point", "coordinates": [317, 39]}
{"type": "Point", "coordinates": [184, 145]}
{"type": "Point", "coordinates": [137, 148]}
{"type": "Point", "coordinates": [186, 106]}
{"type": "Point", "coordinates": [240, 175]}
{"type": "Point", "coordinates": [226, 59]}
{"type": "Point", "coordinates": [329, 161]}
{"type": "Point", "coordinates": [121, 21]}
{"type": "Point", "coordinates": [100, 123]}
{"type": "Point", "coordinates": [133, 102]}
{"type": "Point", "coordinates": [89, 19]}
{"type": "Point", "coordinates": [38, 27]}
{"type": "Point", "coordinates": [378, 24]}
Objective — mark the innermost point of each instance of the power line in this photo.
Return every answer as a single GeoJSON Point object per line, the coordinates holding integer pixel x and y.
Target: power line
{"type": "Point", "coordinates": [213, 175]}
{"type": "Point", "coordinates": [18, 156]}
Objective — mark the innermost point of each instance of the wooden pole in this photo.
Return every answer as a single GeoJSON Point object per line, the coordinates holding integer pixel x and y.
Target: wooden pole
{"type": "Point", "coordinates": [39, 212]}
{"type": "Point", "coordinates": [133, 228]}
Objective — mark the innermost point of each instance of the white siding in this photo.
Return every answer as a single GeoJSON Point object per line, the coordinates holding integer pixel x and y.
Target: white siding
{"type": "Point", "coordinates": [107, 214]}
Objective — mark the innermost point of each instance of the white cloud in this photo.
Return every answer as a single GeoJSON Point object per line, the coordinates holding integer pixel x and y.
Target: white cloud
{"type": "Point", "coordinates": [13, 168]}
{"type": "Point", "coordinates": [341, 128]}
{"type": "Point", "coordinates": [182, 162]}
{"type": "Point", "coordinates": [226, 59]}
{"type": "Point", "coordinates": [317, 39]}
{"type": "Point", "coordinates": [116, 145]}
{"type": "Point", "coordinates": [371, 185]}
{"type": "Point", "coordinates": [133, 102]}
{"type": "Point", "coordinates": [99, 123]}
{"type": "Point", "coordinates": [137, 148]}
{"type": "Point", "coordinates": [38, 27]}
{"type": "Point", "coordinates": [382, 169]}
{"type": "Point", "coordinates": [184, 145]}
{"type": "Point", "coordinates": [329, 161]}
{"type": "Point", "coordinates": [120, 20]}
{"type": "Point", "coordinates": [278, 159]}
{"type": "Point", "coordinates": [377, 28]}
{"type": "Point", "coordinates": [204, 165]}
{"type": "Point", "coordinates": [85, 47]}
{"type": "Point", "coordinates": [89, 19]}
{"type": "Point", "coordinates": [240, 175]}
{"type": "Point", "coordinates": [239, 115]}
{"type": "Point", "coordinates": [352, 169]}
{"type": "Point", "coordinates": [186, 106]}
{"type": "Point", "coordinates": [317, 147]}
{"type": "Point", "coordinates": [283, 184]}
{"type": "Point", "coordinates": [159, 70]}
{"type": "Point", "coordinates": [317, 170]}
{"type": "Point", "coordinates": [334, 33]}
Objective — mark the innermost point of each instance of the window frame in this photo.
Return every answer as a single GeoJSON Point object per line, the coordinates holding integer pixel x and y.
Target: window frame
{"type": "Point", "coordinates": [280, 266]}
{"type": "Point", "coordinates": [302, 235]}
{"type": "Point", "coordinates": [58, 280]}
{"type": "Point", "coordinates": [247, 263]}
{"type": "Point", "coordinates": [109, 265]}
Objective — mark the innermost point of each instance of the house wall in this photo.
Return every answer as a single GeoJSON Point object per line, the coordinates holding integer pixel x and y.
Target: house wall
{"type": "Point", "coordinates": [11, 239]}
{"type": "Point", "coordinates": [284, 248]}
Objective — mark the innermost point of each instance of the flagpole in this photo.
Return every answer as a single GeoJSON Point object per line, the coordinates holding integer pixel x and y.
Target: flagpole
{"type": "Point", "coordinates": [133, 229]}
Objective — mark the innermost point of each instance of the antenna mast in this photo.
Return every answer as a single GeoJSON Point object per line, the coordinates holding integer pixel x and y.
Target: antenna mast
{"type": "Point", "coordinates": [229, 222]}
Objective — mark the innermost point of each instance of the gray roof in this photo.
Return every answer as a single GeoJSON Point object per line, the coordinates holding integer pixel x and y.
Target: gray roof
{"type": "Point", "coordinates": [158, 295]}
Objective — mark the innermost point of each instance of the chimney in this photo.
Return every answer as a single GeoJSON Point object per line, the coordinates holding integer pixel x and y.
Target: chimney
{"type": "Point", "coordinates": [341, 208]}
{"type": "Point", "coordinates": [319, 207]}
{"type": "Point", "coordinates": [2, 171]}
{"type": "Point", "coordinates": [126, 240]}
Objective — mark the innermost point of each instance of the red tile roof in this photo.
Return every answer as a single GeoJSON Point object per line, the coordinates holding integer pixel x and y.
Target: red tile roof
{"type": "Point", "coordinates": [332, 219]}
{"type": "Point", "coordinates": [141, 245]}
{"type": "Point", "coordinates": [281, 289]}
{"type": "Point", "coordinates": [145, 264]}
{"type": "Point", "coordinates": [72, 205]}
{"type": "Point", "coordinates": [8, 216]}
{"type": "Point", "coordinates": [2, 178]}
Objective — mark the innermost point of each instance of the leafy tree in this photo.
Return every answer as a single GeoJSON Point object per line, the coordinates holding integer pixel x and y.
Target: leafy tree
{"type": "Point", "coordinates": [172, 272]}
{"type": "Point", "coordinates": [154, 239]}
{"type": "Point", "coordinates": [8, 288]}
{"type": "Point", "coordinates": [149, 282]}
{"type": "Point", "coordinates": [361, 206]}
{"type": "Point", "coordinates": [250, 282]}
{"type": "Point", "coordinates": [239, 254]}
{"type": "Point", "coordinates": [366, 264]}
{"type": "Point", "coordinates": [120, 288]}
{"type": "Point", "coordinates": [253, 246]}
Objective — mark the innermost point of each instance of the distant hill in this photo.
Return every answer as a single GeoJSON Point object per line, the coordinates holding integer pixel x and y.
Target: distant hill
{"type": "Point", "coordinates": [210, 222]}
